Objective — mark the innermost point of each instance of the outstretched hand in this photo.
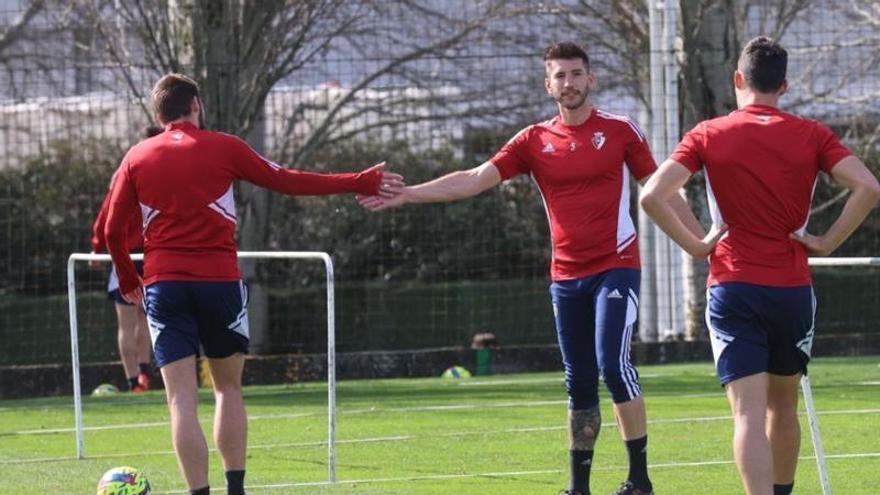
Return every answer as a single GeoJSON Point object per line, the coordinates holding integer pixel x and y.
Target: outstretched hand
{"type": "Point", "coordinates": [379, 203]}
{"type": "Point", "coordinates": [391, 185]}
{"type": "Point", "coordinates": [391, 191]}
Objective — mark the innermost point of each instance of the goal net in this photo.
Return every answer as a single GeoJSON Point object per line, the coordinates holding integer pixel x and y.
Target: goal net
{"type": "Point", "coordinates": [251, 265]}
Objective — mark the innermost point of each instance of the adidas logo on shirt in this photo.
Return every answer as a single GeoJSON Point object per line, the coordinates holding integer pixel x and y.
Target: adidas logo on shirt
{"type": "Point", "coordinates": [548, 148]}
{"type": "Point", "coordinates": [615, 294]}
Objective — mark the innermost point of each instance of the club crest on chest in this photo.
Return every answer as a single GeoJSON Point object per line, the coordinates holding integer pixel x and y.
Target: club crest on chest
{"type": "Point", "coordinates": [598, 140]}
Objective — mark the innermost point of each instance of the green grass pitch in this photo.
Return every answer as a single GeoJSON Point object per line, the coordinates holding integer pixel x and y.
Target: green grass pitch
{"type": "Point", "coordinates": [483, 436]}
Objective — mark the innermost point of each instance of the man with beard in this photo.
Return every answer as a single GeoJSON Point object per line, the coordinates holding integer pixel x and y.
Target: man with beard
{"type": "Point", "coordinates": [581, 161]}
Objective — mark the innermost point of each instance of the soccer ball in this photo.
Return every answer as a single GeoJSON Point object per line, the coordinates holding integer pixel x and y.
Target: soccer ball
{"type": "Point", "coordinates": [456, 372]}
{"type": "Point", "coordinates": [104, 389]}
{"type": "Point", "coordinates": [123, 481]}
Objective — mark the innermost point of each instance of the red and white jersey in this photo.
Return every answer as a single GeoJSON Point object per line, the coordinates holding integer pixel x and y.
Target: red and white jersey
{"type": "Point", "coordinates": [761, 167]}
{"type": "Point", "coordinates": [181, 182]}
{"type": "Point", "coordinates": [582, 173]}
{"type": "Point", "coordinates": [134, 237]}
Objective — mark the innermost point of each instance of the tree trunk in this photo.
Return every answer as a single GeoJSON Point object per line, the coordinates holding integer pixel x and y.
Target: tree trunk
{"type": "Point", "coordinates": [253, 235]}
{"type": "Point", "coordinates": [216, 63]}
{"type": "Point", "coordinates": [711, 48]}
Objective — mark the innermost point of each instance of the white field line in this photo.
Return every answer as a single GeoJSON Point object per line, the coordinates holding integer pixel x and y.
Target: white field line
{"type": "Point", "coordinates": [406, 438]}
{"type": "Point", "coordinates": [126, 399]}
{"type": "Point", "coordinates": [434, 477]}
{"type": "Point", "coordinates": [458, 407]}
{"type": "Point", "coordinates": [372, 410]}
{"type": "Point", "coordinates": [529, 381]}
{"type": "Point", "coordinates": [123, 399]}
{"type": "Point", "coordinates": [491, 383]}
{"type": "Point", "coordinates": [152, 424]}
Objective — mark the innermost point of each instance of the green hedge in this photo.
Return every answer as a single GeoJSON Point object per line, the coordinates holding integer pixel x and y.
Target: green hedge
{"type": "Point", "coordinates": [389, 316]}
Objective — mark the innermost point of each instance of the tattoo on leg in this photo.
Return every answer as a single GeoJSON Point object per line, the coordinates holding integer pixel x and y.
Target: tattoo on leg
{"type": "Point", "coordinates": [583, 428]}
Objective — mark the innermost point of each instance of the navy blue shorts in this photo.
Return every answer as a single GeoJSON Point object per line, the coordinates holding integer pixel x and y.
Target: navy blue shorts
{"type": "Point", "coordinates": [757, 329]}
{"type": "Point", "coordinates": [186, 316]}
{"type": "Point", "coordinates": [594, 324]}
{"type": "Point", "coordinates": [113, 284]}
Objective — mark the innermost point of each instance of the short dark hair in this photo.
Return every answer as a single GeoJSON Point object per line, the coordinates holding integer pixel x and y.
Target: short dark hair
{"type": "Point", "coordinates": [763, 62]}
{"type": "Point", "coordinates": [172, 96]}
{"type": "Point", "coordinates": [566, 50]}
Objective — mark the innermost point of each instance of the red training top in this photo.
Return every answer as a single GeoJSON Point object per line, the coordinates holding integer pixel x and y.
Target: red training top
{"type": "Point", "coordinates": [761, 167]}
{"type": "Point", "coordinates": [134, 235]}
{"type": "Point", "coordinates": [581, 172]}
{"type": "Point", "coordinates": [181, 180]}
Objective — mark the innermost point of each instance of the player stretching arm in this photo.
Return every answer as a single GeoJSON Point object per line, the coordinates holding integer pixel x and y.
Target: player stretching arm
{"type": "Point", "coordinates": [761, 166]}
{"type": "Point", "coordinates": [581, 161]}
{"type": "Point", "coordinates": [182, 183]}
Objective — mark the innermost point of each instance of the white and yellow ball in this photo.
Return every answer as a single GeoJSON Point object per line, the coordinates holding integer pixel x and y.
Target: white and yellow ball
{"type": "Point", "coordinates": [456, 372]}
{"type": "Point", "coordinates": [104, 390]}
{"type": "Point", "coordinates": [123, 480]}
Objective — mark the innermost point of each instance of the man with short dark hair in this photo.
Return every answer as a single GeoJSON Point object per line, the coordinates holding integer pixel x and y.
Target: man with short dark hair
{"type": "Point", "coordinates": [581, 161]}
{"type": "Point", "coordinates": [181, 181]}
{"type": "Point", "coordinates": [761, 166]}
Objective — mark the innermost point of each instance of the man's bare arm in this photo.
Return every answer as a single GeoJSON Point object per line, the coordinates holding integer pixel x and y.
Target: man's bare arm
{"type": "Point", "coordinates": [658, 200]}
{"type": "Point", "coordinates": [683, 211]}
{"type": "Point", "coordinates": [450, 187]}
{"type": "Point", "coordinates": [855, 176]}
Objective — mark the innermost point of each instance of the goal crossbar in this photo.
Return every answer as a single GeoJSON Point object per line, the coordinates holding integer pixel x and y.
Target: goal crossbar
{"type": "Point", "coordinates": [331, 347]}
{"type": "Point", "coordinates": [844, 261]}
{"type": "Point", "coordinates": [331, 340]}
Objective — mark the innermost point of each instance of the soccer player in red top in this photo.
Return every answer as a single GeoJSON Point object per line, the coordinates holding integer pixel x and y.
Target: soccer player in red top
{"type": "Point", "coordinates": [132, 336]}
{"type": "Point", "coordinates": [181, 182]}
{"type": "Point", "coordinates": [761, 166]}
{"type": "Point", "coordinates": [581, 161]}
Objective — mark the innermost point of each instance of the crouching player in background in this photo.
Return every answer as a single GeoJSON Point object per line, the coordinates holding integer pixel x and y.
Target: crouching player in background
{"type": "Point", "coordinates": [132, 336]}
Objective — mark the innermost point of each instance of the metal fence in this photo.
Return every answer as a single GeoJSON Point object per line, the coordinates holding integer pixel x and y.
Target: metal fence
{"type": "Point", "coordinates": [428, 86]}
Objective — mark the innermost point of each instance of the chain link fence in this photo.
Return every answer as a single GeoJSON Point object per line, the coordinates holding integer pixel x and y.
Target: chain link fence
{"type": "Point", "coordinates": [429, 87]}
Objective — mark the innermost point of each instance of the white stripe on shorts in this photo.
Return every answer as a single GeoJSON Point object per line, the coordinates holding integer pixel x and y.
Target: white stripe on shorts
{"type": "Point", "coordinates": [719, 342]}
{"type": "Point", "coordinates": [806, 343]}
{"type": "Point", "coordinates": [627, 370]}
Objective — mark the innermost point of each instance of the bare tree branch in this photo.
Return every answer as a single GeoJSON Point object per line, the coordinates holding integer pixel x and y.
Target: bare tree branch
{"type": "Point", "coordinates": [831, 202]}
{"type": "Point", "coordinates": [92, 13]}
{"type": "Point", "coordinates": [12, 33]}
{"type": "Point", "coordinates": [317, 137]}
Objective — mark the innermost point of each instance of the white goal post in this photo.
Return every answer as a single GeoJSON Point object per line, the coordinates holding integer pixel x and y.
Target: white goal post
{"type": "Point", "coordinates": [832, 261]}
{"type": "Point", "coordinates": [331, 341]}
{"type": "Point", "coordinates": [331, 349]}
{"type": "Point", "coordinates": [812, 418]}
